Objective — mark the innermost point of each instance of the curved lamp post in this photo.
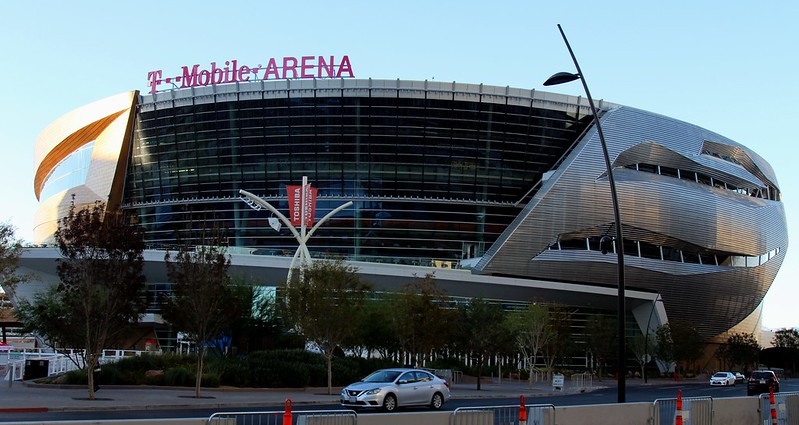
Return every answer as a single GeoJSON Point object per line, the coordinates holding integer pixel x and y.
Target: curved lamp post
{"type": "Point", "coordinates": [565, 77]}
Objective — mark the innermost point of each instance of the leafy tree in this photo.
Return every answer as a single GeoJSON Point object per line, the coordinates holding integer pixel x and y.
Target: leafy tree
{"type": "Point", "coordinates": [532, 331]}
{"type": "Point", "coordinates": [320, 305]}
{"type": "Point", "coordinates": [560, 342]}
{"type": "Point", "coordinates": [202, 302]}
{"type": "Point", "coordinates": [641, 347]}
{"type": "Point", "coordinates": [480, 332]}
{"type": "Point", "coordinates": [786, 338]}
{"type": "Point", "coordinates": [374, 332]}
{"type": "Point", "coordinates": [740, 350]}
{"type": "Point", "coordinates": [49, 317]}
{"type": "Point", "coordinates": [680, 342]}
{"type": "Point", "coordinates": [785, 350]}
{"type": "Point", "coordinates": [601, 339]}
{"type": "Point", "coordinates": [260, 325]}
{"type": "Point", "coordinates": [420, 320]}
{"type": "Point", "coordinates": [664, 346]}
{"type": "Point", "coordinates": [101, 291]}
{"type": "Point", "coordinates": [10, 251]}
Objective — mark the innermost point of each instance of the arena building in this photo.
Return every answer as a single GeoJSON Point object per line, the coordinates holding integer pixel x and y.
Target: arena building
{"type": "Point", "coordinates": [500, 192]}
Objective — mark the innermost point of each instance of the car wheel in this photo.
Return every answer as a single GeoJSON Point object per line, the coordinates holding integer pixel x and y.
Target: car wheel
{"type": "Point", "coordinates": [390, 403]}
{"type": "Point", "coordinates": [437, 401]}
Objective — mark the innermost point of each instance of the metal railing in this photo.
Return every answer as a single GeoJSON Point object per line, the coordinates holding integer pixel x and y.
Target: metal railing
{"type": "Point", "coordinates": [583, 380]}
{"type": "Point", "coordinates": [785, 408]}
{"type": "Point", "coordinates": [58, 362]}
{"type": "Point", "coordinates": [308, 417]}
{"type": "Point", "coordinates": [695, 411]}
{"type": "Point", "coordinates": [535, 414]}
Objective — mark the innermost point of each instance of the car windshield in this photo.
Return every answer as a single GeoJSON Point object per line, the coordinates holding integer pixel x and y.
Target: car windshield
{"type": "Point", "coordinates": [762, 375]}
{"type": "Point", "coordinates": [382, 376]}
{"type": "Point", "coordinates": [720, 375]}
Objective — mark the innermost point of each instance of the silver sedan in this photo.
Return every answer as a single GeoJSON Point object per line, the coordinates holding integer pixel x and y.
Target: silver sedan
{"type": "Point", "coordinates": [390, 389]}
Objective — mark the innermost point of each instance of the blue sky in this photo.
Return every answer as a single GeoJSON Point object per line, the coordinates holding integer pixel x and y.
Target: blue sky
{"type": "Point", "coordinates": [730, 67]}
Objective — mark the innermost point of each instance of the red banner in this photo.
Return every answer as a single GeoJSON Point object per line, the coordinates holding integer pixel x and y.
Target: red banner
{"type": "Point", "coordinates": [295, 204]}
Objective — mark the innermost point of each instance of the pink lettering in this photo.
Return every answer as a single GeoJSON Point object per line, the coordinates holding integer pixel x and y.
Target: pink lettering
{"type": "Point", "coordinates": [217, 75]}
{"type": "Point", "coordinates": [231, 72]}
{"type": "Point", "coordinates": [155, 79]}
{"type": "Point", "coordinates": [306, 67]}
{"type": "Point", "coordinates": [328, 68]}
{"type": "Point", "coordinates": [271, 69]}
{"type": "Point", "coordinates": [244, 73]}
{"type": "Point", "coordinates": [189, 80]}
{"type": "Point", "coordinates": [344, 66]}
{"type": "Point", "coordinates": [204, 77]}
{"type": "Point", "coordinates": [287, 67]}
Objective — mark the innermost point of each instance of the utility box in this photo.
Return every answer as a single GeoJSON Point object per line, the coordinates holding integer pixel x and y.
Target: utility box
{"type": "Point", "coordinates": [37, 368]}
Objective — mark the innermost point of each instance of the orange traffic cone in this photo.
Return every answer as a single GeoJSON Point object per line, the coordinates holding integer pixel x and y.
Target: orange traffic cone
{"type": "Point", "coordinates": [773, 404]}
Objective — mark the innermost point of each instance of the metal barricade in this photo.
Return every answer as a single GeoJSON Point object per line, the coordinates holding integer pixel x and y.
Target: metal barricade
{"type": "Point", "coordinates": [786, 407]}
{"type": "Point", "coordinates": [695, 411]}
{"type": "Point", "coordinates": [536, 414]}
{"type": "Point", "coordinates": [583, 380]}
{"type": "Point", "coordinates": [306, 417]}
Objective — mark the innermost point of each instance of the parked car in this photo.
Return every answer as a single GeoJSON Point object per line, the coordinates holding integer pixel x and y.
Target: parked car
{"type": "Point", "coordinates": [762, 381]}
{"type": "Point", "coordinates": [739, 378]}
{"type": "Point", "coordinates": [390, 389]}
{"type": "Point", "coordinates": [723, 378]}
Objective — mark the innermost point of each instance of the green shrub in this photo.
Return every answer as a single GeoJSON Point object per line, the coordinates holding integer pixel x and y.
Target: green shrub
{"type": "Point", "coordinates": [232, 371]}
{"type": "Point", "coordinates": [75, 377]}
{"type": "Point", "coordinates": [110, 375]}
{"type": "Point", "coordinates": [210, 380]}
{"type": "Point", "coordinates": [179, 377]}
{"type": "Point", "coordinates": [283, 368]}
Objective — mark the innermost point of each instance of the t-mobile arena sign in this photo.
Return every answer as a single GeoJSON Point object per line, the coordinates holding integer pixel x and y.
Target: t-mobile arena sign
{"type": "Point", "coordinates": [275, 69]}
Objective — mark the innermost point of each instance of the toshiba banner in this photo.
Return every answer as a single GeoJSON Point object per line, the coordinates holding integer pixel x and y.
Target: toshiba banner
{"type": "Point", "coordinates": [295, 204]}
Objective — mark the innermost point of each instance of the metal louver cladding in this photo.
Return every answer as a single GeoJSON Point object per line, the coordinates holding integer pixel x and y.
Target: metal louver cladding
{"type": "Point", "coordinates": [718, 218]}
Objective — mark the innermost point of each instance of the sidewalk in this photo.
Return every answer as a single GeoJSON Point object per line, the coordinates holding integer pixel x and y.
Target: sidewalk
{"type": "Point", "coordinates": [30, 397]}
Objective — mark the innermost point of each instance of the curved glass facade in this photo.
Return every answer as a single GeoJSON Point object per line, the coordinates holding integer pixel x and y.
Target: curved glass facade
{"type": "Point", "coordinates": [431, 179]}
{"type": "Point", "coordinates": [70, 172]}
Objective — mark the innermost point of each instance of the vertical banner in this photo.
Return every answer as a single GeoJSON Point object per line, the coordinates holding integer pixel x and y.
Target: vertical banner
{"type": "Point", "coordinates": [295, 204]}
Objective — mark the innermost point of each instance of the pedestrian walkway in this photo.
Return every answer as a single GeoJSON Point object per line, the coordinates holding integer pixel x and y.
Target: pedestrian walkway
{"type": "Point", "coordinates": [22, 397]}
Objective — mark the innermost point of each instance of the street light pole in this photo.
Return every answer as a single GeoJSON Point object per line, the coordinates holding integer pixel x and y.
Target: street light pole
{"type": "Point", "coordinates": [565, 77]}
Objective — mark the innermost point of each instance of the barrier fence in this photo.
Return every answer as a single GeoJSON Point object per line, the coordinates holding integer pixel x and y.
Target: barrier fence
{"type": "Point", "coordinates": [583, 380]}
{"type": "Point", "coordinates": [779, 408]}
{"type": "Point", "coordinates": [285, 417]}
{"type": "Point", "coordinates": [533, 414]}
{"type": "Point", "coordinates": [683, 410]}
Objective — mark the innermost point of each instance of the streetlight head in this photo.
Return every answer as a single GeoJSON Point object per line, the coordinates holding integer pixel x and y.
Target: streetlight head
{"type": "Point", "coordinates": [605, 244]}
{"type": "Point", "coordinates": [560, 78]}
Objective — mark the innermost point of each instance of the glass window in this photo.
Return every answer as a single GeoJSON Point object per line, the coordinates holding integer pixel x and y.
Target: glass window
{"type": "Point", "coordinates": [69, 173]}
{"type": "Point", "coordinates": [649, 250]}
{"type": "Point", "coordinates": [649, 168]}
{"type": "Point", "coordinates": [688, 175]}
{"type": "Point", "coordinates": [580, 244]}
{"type": "Point", "coordinates": [690, 257]}
{"type": "Point", "coordinates": [703, 178]}
{"type": "Point", "coordinates": [631, 248]}
{"type": "Point", "coordinates": [668, 171]}
{"type": "Point", "coordinates": [708, 259]}
{"type": "Point", "coordinates": [671, 254]}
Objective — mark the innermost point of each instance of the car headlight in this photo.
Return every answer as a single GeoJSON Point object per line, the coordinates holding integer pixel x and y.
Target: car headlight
{"type": "Point", "coordinates": [373, 391]}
